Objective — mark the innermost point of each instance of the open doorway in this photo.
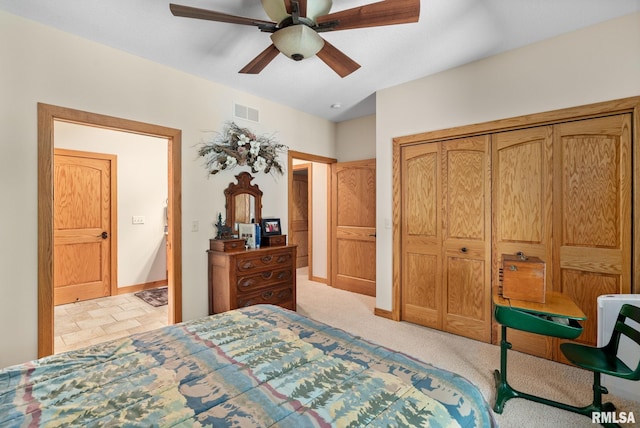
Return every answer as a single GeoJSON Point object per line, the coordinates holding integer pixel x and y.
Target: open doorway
{"type": "Point", "coordinates": [110, 276]}
{"type": "Point", "coordinates": [315, 197]}
{"type": "Point", "coordinates": [47, 114]}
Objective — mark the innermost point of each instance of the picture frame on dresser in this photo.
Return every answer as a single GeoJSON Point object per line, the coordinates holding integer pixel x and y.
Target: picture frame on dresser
{"type": "Point", "coordinates": [249, 232]}
{"type": "Point", "coordinates": [270, 226]}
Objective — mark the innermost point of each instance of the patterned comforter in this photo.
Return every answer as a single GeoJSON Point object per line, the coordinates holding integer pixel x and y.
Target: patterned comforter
{"type": "Point", "coordinates": [261, 366]}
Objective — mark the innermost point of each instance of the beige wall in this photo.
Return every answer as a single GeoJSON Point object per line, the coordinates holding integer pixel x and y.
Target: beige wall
{"type": "Point", "coordinates": [595, 64]}
{"type": "Point", "coordinates": [356, 139]}
{"type": "Point", "coordinates": [57, 68]}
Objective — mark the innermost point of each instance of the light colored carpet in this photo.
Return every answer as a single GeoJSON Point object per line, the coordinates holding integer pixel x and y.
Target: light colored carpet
{"type": "Point", "coordinates": [474, 360]}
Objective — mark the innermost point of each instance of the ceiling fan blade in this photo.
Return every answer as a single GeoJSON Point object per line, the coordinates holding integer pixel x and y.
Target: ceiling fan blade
{"type": "Point", "coordinates": [386, 12]}
{"type": "Point", "coordinates": [302, 6]}
{"type": "Point", "coordinates": [337, 60]}
{"type": "Point", "coordinates": [261, 61]}
{"type": "Point", "coordinates": [212, 15]}
{"type": "Point", "coordinates": [288, 6]}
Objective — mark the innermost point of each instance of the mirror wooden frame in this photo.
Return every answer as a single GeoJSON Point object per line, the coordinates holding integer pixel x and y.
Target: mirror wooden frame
{"type": "Point", "coordinates": [243, 186]}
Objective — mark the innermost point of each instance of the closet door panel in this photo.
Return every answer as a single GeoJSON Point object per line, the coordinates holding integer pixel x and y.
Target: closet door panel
{"type": "Point", "coordinates": [421, 236]}
{"type": "Point", "coordinates": [522, 185]}
{"type": "Point", "coordinates": [422, 292]}
{"type": "Point", "coordinates": [468, 305]}
{"type": "Point", "coordinates": [464, 190]}
{"type": "Point", "coordinates": [592, 212]}
{"type": "Point", "coordinates": [466, 237]}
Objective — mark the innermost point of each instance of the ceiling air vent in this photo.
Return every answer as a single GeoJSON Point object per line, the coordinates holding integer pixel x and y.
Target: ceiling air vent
{"type": "Point", "coordinates": [246, 113]}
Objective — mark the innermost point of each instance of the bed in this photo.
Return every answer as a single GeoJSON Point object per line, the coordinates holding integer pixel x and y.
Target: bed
{"type": "Point", "coordinates": [259, 366]}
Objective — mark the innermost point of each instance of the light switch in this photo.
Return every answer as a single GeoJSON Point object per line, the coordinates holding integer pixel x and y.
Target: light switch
{"type": "Point", "coordinates": [137, 219]}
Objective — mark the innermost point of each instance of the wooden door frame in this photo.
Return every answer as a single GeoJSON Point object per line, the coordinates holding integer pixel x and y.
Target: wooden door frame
{"type": "Point", "coordinates": [113, 214]}
{"type": "Point", "coordinates": [606, 108]}
{"type": "Point", "coordinates": [292, 154]}
{"type": "Point", "coordinates": [47, 114]}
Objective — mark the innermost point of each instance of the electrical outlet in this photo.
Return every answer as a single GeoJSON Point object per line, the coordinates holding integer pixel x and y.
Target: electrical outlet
{"type": "Point", "coordinates": [137, 219]}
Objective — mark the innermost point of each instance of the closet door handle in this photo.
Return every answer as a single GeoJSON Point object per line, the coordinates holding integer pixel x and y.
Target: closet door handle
{"type": "Point", "coordinates": [103, 235]}
{"type": "Point", "coordinates": [463, 250]}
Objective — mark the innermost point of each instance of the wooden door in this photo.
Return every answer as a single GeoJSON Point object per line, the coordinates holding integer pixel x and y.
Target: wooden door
{"type": "Point", "coordinates": [354, 226]}
{"type": "Point", "coordinates": [522, 186]}
{"type": "Point", "coordinates": [82, 225]}
{"type": "Point", "coordinates": [592, 212]}
{"type": "Point", "coordinates": [466, 237]}
{"type": "Point", "coordinates": [421, 235]}
{"type": "Point", "coordinates": [299, 227]}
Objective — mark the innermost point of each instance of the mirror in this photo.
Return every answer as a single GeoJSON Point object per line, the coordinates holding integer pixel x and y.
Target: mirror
{"type": "Point", "coordinates": [244, 202]}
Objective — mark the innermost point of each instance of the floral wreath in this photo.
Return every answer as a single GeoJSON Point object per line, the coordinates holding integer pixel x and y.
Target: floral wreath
{"type": "Point", "coordinates": [239, 146]}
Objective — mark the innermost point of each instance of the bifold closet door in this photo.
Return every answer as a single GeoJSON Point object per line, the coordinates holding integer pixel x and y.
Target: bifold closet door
{"type": "Point", "coordinates": [421, 231]}
{"type": "Point", "coordinates": [522, 184]}
{"type": "Point", "coordinates": [592, 212]}
{"type": "Point", "coordinates": [446, 236]}
{"type": "Point", "coordinates": [466, 245]}
{"type": "Point", "coordinates": [563, 193]}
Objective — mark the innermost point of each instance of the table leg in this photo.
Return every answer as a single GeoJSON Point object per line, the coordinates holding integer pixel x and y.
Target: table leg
{"type": "Point", "coordinates": [504, 391]}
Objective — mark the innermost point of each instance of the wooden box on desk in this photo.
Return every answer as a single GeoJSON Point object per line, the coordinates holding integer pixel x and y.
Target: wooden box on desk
{"type": "Point", "coordinates": [523, 278]}
{"type": "Point", "coordinates": [273, 240]}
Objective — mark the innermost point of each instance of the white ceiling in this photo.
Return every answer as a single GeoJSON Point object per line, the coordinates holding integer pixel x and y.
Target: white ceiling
{"type": "Point", "coordinates": [450, 33]}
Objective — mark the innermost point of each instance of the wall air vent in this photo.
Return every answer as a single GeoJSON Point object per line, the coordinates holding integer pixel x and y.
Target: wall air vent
{"type": "Point", "coordinates": [246, 113]}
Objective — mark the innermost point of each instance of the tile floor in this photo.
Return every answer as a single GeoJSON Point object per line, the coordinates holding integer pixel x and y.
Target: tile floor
{"type": "Point", "coordinates": [99, 320]}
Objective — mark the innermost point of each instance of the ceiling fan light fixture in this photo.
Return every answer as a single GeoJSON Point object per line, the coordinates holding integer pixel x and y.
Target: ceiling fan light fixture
{"type": "Point", "coordinates": [297, 41]}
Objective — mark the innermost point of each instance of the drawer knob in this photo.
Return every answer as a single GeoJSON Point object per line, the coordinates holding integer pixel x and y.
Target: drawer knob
{"type": "Point", "coordinates": [464, 249]}
{"type": "Point", "coordinates": [267, 259]}
{"type": "Point", "coordinates": [267, 295]}
{"type": "Point", "coordinates": [267, 275]}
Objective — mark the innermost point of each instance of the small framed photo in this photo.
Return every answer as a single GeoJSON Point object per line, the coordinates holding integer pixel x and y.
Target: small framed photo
{"type": "Point", "coordinates": [270, 226]}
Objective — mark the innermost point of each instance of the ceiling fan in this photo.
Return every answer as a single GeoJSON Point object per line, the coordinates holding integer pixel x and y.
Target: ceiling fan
{"type": "Point", "coordinates": [296, 24]}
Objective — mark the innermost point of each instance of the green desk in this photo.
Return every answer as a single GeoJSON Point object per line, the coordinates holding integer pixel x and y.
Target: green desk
{"type": "Point", "coordinates": [557, 317]}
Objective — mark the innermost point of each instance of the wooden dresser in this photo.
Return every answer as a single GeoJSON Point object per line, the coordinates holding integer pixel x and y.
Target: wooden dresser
{"type": "Point", "coordinates": [251, 277]}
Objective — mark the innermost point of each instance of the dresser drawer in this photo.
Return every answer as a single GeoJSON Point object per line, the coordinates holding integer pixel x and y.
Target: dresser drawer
{"type": "Point", "coordinates": [273, 260]}
{"type": "Point", "coordinates": [249, 283]}
{"type": "Point", "coordinates": [281, 296]}
{"type": "Point", "coordinates": [226, 244]}
{"type": "Point", "coordinates": [274, 240]}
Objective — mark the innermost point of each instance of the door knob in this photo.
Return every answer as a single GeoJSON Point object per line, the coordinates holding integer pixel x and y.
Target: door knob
{"type": "Point", "coordinates": [103, 235]}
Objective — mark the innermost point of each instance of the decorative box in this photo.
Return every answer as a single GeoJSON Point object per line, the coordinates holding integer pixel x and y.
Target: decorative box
{"type": "Point", "coordinates": [273, 240]}
{"type": "Point", "coordinates": [226, 245]}
{"type": "Point", "coordinates": [523, 278]}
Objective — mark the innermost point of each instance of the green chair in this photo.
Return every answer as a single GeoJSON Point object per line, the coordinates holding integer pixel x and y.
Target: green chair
{"type": "Point", "coordinates": [605, 359]}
